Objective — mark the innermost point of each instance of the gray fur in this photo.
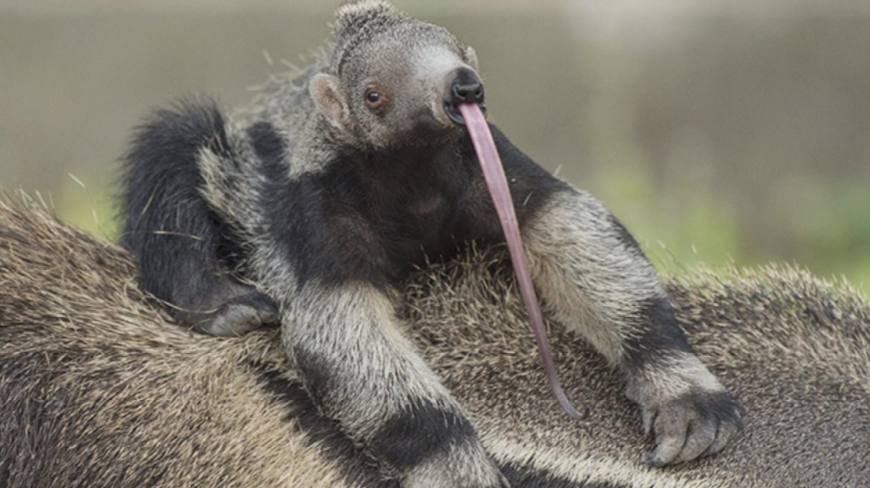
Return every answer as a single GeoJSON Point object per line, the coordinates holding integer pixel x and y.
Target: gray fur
{"type": "Point", "coordinates": [585, 273]}
{"type": "Point", "coordinates": [99, 388]}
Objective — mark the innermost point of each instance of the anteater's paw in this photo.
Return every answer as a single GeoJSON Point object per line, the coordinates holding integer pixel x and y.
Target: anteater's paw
{"type": "Point", "coordinates": [240, 315]}
{"type": "Point", "coordinates": [691, 426]}
{"type": "Point", "coordinates": [460, 467]}
{"type": "Point", "coordinates": [686, 408]}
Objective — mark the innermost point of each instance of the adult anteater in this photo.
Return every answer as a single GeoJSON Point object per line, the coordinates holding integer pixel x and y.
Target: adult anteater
{"type": "Point", "coordinates": [99, 388]}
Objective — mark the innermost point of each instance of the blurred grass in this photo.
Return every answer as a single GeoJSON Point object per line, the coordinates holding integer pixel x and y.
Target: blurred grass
{"type": "Point", "coordinates": [679, 230]}
{"type": "Point", "coordinates": [691, 226]}
{"type": "Point", "coordinates": [88, 205]}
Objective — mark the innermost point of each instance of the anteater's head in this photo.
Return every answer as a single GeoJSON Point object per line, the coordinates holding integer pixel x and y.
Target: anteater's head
{"type": "Point", "coordinates": [394, 80]}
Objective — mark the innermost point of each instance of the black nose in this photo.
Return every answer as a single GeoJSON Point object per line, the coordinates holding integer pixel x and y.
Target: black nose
{"type": "Point", "coordinates": [466, 87]}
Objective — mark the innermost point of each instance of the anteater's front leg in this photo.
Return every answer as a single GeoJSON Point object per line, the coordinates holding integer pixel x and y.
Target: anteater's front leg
{"type": "Point", "coordinates": [594, 278]}
{"type": "Point", "coordinates": [597, 281]}
{"type": "Point", "coordinates": [361, 371]}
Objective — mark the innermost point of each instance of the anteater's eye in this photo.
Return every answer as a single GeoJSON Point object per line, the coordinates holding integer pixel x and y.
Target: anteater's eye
{"type": "Point", "coordinates": [375, 98]}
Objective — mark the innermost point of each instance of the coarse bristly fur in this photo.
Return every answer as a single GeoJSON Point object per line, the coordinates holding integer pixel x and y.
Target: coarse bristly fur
{"type": "Point", "coordinates": [99, 388]}
{"type": "Point", "coordinates": [310, 207]}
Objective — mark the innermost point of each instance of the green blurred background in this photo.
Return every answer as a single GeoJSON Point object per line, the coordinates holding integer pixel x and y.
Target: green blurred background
{"type": "Point", "coordinates": [720, 131]}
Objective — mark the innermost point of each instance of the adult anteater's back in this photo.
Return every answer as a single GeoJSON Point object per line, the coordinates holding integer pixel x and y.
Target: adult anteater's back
{"type": "Point", "coordinates": [99, 388]}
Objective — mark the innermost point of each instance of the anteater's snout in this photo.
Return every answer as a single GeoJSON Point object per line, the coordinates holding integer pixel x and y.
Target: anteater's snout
{"type": "Point", "coordinates": [464, 86]}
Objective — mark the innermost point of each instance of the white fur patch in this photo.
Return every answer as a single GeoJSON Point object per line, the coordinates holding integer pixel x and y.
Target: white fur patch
{"type": "Point", "coordinates": [231, 185]}
{"type": "Point", "coordinates": [436, 63]}
{"type": "Point", "coordinates": [679, 376]}
{"type": "Point", "coordinates": [591, 280]}
{"type": "Point", "coordinates": [591, 468]}
{"type": "Point", "coordinates": [462, 465]}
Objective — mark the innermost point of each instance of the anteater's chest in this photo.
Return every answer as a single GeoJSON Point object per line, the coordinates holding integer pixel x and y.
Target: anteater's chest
{"type": "Point", "coordinates": [371, 219]}
{"type": "Point", "coordinates": [400, 213]}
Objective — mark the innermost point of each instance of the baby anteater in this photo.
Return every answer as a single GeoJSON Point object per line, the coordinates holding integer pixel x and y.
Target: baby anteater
{"type": "Point", "coordinates": [311, 205]}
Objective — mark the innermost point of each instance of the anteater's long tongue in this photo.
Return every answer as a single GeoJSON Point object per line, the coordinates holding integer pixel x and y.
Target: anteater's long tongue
{"type": "Point", "coordinates": [493, 173]}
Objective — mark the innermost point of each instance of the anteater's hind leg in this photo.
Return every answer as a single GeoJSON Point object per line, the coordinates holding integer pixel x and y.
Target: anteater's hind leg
{"type": "Point", "coordinates": [184, 250]}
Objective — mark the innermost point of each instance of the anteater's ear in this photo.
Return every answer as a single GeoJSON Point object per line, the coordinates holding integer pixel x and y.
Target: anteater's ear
{"type": "Point", "coordinates": [471, 58]}
{"type": "Point", "coordinates": [326, 93]}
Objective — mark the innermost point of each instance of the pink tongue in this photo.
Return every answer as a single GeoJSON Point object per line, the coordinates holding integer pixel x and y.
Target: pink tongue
{"type": "Point", "coordinates": [493, 173]}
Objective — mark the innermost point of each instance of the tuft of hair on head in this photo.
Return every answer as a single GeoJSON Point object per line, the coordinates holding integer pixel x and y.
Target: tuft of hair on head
{"type": "Point", "coordinates": [355, 15]}
{"type": "Point", "coordinates": [351, 7]}
{"type": "Point", "coordinates": [357, 21]}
